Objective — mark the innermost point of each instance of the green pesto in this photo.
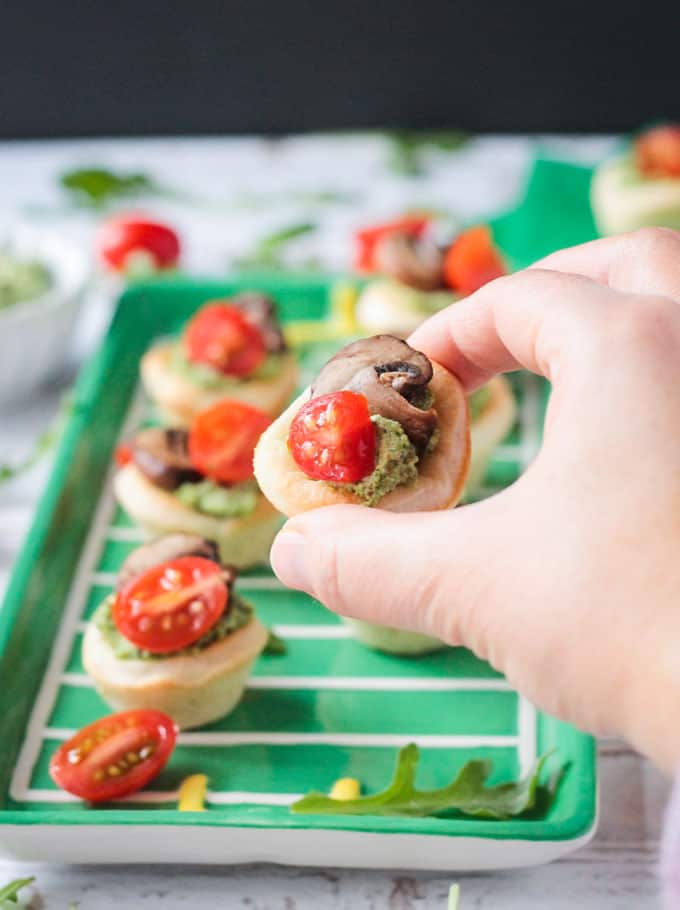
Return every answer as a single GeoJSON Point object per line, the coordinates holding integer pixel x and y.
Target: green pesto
{"type": "Point", "coordinates": [21, 279]}
{"type": "Point", "coordinates": [396, 463]}
{"type": "Point", "coordinates": [239, 613]}
{"type": "Point", "coordinates": [205, 376]}
{"type": "Point", "coordinates": [220, 502]}
{"type": "Point", "coordinates": [478, 401]}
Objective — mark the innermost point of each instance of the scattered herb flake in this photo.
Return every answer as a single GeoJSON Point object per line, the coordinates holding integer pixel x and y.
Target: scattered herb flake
{"type": "Point", "coordinates": [275, 645]}
{"type": "Point", "coordinates": [96, 187]}
{"type": "Point", "coordinates": [406, 152]}
{"type": "Point", "coordinates": [269, 250]}
{"type": "Point", "coordinates": [10, 892]}
{"type": "Point", "coordinates": [43, 444]}
{"type": "Point", "coordinates": [467, 793]}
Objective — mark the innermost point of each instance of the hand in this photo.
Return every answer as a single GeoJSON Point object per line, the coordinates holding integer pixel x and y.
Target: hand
{"type": "Point", "coordinates": [568, 581]}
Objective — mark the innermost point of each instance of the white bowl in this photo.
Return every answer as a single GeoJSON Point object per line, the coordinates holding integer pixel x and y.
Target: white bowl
{"type": "Point", "coordinates": [35, 334]}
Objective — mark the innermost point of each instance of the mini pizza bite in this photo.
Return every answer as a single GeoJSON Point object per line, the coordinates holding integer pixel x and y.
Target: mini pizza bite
{"type": "Point", "coordinates": [417, 278]}
{"type": "Point", "coordinates": [640, 187]}
{"type": "Point", "coordinates": [200, 481]}
{"type": "Point", "coordinates": [381, 426]}
{"type": "Point", "coordinates": [232, 348]}
{"type": "Point", "coordinates": [174, 636]}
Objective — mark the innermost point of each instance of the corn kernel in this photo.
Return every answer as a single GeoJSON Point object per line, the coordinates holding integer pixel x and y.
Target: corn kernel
{"type": "Point", "coordinates": [192, 793]}
{"type": "Point", "coordinates": [345, 789]}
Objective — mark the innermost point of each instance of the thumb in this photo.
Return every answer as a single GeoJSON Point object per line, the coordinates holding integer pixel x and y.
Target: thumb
{"type": "Point", "coordinates": [425, 572]}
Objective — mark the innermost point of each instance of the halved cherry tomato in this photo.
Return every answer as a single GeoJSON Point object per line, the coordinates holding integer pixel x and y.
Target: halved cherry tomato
{"type": "Point", "coordinates": [657, 151]}
{"type": "Point", "coordinates": [224, 338]}
{"type": "Point", "coordinates": [123, 454]}
{"type": "Point", "coordinates": [172, 605]}
{"type": "Point", "coordinates": [125, 239]}
{"type": "Point", "coordinates": [367, 239]}
{"type": "Point", "coordinates": [114, 756]}
{"type": "Point", "coordinates": [333, 438]}
{"type": "Point", "coordinates": [223, 439]}
{"type": "Point", "coordinates": [472, 261]}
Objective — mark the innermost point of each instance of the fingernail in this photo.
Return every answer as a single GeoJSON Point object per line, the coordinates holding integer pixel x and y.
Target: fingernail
{"type": "Point", "coordinates": [288, 560]}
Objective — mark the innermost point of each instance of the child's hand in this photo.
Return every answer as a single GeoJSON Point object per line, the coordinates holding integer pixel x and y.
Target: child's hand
{"type": "Point", "coordinates": [568, 581]}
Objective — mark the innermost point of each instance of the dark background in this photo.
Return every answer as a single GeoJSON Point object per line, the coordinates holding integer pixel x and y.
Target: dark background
{"type": "Point", "coordinates": [119, 68]}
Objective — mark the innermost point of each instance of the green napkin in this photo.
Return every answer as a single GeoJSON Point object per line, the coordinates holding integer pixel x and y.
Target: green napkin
{"type": "Point", "coordinates": [554, 213]}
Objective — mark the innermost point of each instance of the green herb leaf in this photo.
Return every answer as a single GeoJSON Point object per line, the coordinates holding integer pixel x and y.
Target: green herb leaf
{"type": "Point", "coordinates": [10, 892]}
{"type": "Point", "coordinates": [466, 793]}
{"type": "Point", "coordinates": [269, 250]}
{"type": "Point", "coordinates": [97, 186]}
{"type": "Point", "coordinates": [43, 444]}
{"type": "Point", "coordinates": [256, 201]}
{"type": "Point", "coordinates": [407, 149]}
{"type": "Point", "coordinates": [454, 897]}
{"type": "Point", "coordinates": [275, 645]}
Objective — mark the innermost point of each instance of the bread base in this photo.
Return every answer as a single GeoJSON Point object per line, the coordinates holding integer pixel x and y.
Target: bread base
{"type": "Point", "coordinates": [441, 474]}
{"type": "Point", "coordinates": [623, 204]}
{"type": "Point", "coordinates": [194, 690]}
{"type": "Point", "coordinates": [386, 306]}
{"type": "Point", "coordinates": [179, 399]}
{"type": "Point", "coordinates": [488, 430]}
{"type": "Point", "coordinates": [392, 641]}
{"type": "Point", "coordinates": [242, 542]}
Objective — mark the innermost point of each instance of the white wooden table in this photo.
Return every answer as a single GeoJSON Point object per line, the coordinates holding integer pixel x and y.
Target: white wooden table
{"type": "Point", "coordinates": [618, 869]}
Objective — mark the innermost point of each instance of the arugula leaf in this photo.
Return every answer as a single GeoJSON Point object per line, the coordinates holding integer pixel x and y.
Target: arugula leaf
{"type": "Point", "coordinates": [269, 250]}
{"type": "Point", "coordinates": [466, 793]}
{"type": "Point", "coordinates": [275, 645]}
{"type": "Point", "coordinates": [10, 891]}
{"type": "Point", "coordinates": [407, 148]}
{"type": "Point", "coordinates": [43, 444]}
{"type": "Point", "coordinates": [97, 186]}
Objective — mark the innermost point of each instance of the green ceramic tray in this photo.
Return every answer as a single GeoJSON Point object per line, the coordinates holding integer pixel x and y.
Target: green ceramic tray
{"type": "Point", "coordinates": [326, 709]}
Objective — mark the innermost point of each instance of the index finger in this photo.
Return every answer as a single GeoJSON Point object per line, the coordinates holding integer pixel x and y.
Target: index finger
{"type": "Point", "coordinates": [534, 319]}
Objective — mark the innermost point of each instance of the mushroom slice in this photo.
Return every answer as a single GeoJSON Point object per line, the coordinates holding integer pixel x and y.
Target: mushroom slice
{"type": "Point", "coordinates": [162, 455]}
{"type": "Point", "coordinates": [260, 309]}
{"type": "Point", "coordinates": [172, 546]}
{"type": "Point", "coordinates": [389, 373]}
{"type": "Point", "coordinates": [411, 260]}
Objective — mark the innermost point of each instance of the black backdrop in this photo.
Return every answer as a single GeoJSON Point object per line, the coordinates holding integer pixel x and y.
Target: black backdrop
{"type": "Point", "coordinates": [101, 67]}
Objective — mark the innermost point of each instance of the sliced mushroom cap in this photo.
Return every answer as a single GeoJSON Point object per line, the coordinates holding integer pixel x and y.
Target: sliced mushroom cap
{"type": "Point", "coordinates": [173, 546]}
{"type": "Point", "coordinates": [389, 373]}
{"type": "Point", "coordinates": [162, 455]}
{"type": "Point", "coordinates": [260, 309]}
{"type": "Point", "coordinates": [414, 261]}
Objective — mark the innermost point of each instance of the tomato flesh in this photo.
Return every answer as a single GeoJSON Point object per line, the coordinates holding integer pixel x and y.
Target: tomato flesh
{"type": "Point", "coordinates": [333, 438]}
{"type": "Point", "coordinates": [657, 152]}
{"type": "Point", "coordinates": [123, 454]}
{"type": "Point", "coordinates": [367, 239]}
{"type": "Point", "coordinates": [122, 238]}
{"type": "Point", "coordinates": [221, 336]}
{"type": "Point", "coordinates": [223, 439]}
{"type": "Point", "coordinates": [472, 261]}
{"type": "Point", "coordinates": [172, 605]}
{"type": "Point", "coordinates": [114, 756]}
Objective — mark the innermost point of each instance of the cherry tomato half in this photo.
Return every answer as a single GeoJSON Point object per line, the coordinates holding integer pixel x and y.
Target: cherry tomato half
{"type": "Point", "coordinates": [367, 239]}
{"type": "Point", "coordinates": [224, 338]}
{"type": "Point", "coordinates": [223, 439]}
{"type": "Point", "coordinates": [657, 151]}
{"type": "Point", "coordinates": [333, 438]}
{"type": "Point", "coordinates": [172, 605]}
{"type": "Point", "coordinates": [123, 454]}
{"type": "Point", "coordinates": [472, 261]}
{"type": "Point", "coordinates": [124, 240]}
{"type": "Point", "coordinates": [114, 756]}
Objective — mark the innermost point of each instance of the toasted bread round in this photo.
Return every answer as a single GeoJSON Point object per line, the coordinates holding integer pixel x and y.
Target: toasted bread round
{"type": "Point", "coordinates": [489, 429]}
{"type": "Point", "coordinates": [242, 542]}
{"type": "Point", "coordinates": [623, 204]}
{"type": "Point", "coordinates": [441, 474]}
{"type": "Point", "coordinates": [193, 689]}
{"type": "Point", "coordinates": [179, 399]}
{"type": "Point", "coordinates": [387, 306]}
